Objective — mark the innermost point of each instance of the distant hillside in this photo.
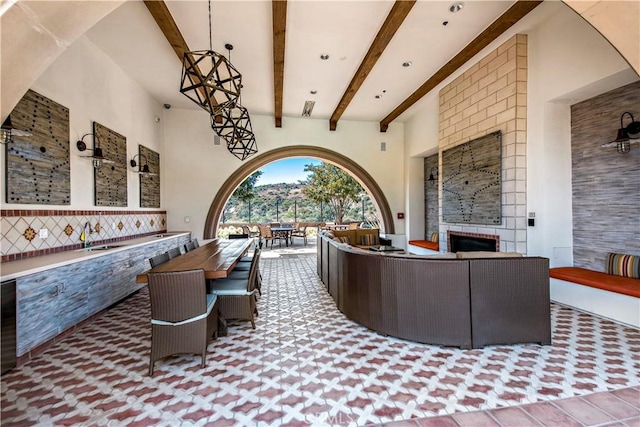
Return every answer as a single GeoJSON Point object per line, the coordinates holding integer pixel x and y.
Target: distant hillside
{"type": "Point", "coordinates": [292, 206]}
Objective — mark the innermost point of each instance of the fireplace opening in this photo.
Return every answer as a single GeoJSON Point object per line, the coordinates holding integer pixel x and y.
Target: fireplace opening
{"type": "Point", "coordinates": [470, 242]}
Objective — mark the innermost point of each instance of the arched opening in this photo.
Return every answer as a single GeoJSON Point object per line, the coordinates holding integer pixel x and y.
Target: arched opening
{"type": "Point", "coordinates": [215, 211]}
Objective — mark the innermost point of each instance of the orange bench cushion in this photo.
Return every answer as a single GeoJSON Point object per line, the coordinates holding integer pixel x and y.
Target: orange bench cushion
{"type": "Point", "coordinates": [596, 279]}
{"type": "Point", "coordinates": [434, 246]}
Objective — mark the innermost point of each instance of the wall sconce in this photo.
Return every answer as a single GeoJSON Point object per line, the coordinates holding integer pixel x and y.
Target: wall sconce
{"type": "Point", "coordinates": [8, 132]}
{"type": "Point", "coordinates": [626, 135]}
{"type": "Point", "coordinates": [433, 176]}
{"type": "Point", "coordinates": [143, 169]}
{"type": "Point", "coordinates": [97, 156]}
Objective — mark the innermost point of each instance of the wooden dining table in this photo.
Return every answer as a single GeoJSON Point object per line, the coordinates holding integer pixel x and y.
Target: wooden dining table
{"type": "Point", "coordinates": [217, 258]}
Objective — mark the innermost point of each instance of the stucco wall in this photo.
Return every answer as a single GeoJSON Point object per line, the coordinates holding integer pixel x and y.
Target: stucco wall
{"type": "Point", "coordinates": [568, 61]}
{"type": "Point", "coordinates": [198, 168]}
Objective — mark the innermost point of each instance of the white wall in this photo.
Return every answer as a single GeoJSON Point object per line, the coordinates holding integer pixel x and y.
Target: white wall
{"type": "Point", "coordinates": [568, 62]}
{"type": "Point", "coordinates": [94, 88]}
{"type": "Point", "coordinates": [196, 168]}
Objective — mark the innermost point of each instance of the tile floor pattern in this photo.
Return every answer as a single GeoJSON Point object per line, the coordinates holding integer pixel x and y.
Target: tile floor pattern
{"type": "Point", "coordinates": [306, 364]}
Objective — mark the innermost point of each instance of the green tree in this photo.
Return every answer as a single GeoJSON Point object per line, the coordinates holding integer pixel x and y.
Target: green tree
{"type": "Point", "coordinates": [331, 185]}
{"type": "Point", "coordinates": [246, 191]}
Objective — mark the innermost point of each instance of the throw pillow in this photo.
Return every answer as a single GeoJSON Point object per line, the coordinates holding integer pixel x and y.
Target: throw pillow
{"type": "Point", "coordinates": [369, 240]}
{"type": "Point", "coordinates": [435, 237]}
{"type": "Point", "coordinates": [344, 239]}
{"type": "Point", "coordinates": [624, 265]}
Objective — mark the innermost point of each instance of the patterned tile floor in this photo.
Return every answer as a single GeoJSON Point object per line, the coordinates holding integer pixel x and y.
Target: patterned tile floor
{"type": "Point", "coordinates": [306, 364]}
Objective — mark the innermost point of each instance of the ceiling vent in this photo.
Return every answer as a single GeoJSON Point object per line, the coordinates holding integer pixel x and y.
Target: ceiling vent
{"type": "Point", "coordinates": [308, 107]}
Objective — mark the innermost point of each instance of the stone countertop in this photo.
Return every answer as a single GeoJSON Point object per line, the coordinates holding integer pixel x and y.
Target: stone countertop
{"type": "Point", "coordinates": [14, 269]}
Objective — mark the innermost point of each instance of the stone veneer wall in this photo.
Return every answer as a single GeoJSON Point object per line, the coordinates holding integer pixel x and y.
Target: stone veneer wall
{"type": "Point", "coordinates": [605, 184]}
{"type": "Point", "coordinates": [20, 229]}
{"type": "Point", "coordinates": [492, 96]}
{"type": "Point", "coordinates": [431, 220]}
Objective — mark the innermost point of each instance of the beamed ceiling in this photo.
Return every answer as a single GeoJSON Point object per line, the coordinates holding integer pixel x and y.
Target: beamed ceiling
{"type": "Point", "coordinates": [278, 47]}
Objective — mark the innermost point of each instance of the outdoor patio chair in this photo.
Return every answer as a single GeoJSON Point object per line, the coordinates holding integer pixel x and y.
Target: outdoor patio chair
{"type": "Point", "coordinates": [301, 232]}
{"type": "Point", "coordinates": [183, 317]}
{"type": "Point", "coordinates": [159, 259]}
{"type": "Point", "coordinates": [268, 236]}
{"type": "Point", "coordinates": [237, 296]}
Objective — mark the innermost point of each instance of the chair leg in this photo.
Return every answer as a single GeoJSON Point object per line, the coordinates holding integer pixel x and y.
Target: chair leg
{"type": "Point", "coordinates": [151, 363]}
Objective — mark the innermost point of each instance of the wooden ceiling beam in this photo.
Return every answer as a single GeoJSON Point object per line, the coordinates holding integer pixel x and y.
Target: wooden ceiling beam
{"type": "Point", "coordinates": [163, 18]}
{"type": "Point", "coordinates": [396, 17]}
{"type": "Point", "coordinates": [279, 12]}
{"type": "Point", "coordinates": [516, 12]}
{"type": "Point", "coordinates": [169, 28]}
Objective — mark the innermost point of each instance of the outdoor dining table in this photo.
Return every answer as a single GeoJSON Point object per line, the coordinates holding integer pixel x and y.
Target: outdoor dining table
{"type": "Point", "coordinates": [284, 231]}
{"type": "Point", "coordinates": [217, 258]}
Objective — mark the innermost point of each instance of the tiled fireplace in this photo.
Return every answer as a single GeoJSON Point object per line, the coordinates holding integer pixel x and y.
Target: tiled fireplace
{"type": "Point", "coordinates": [458, 241]}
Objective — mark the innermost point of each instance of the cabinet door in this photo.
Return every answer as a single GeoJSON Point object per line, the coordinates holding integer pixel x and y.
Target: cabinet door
{"type": "Point", "coordinates": [37, 299]}
{"type": "Point", "coordinates": [73, 296]}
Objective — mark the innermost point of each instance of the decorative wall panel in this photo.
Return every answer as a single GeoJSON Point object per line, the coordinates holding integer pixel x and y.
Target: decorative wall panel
{"type": "Point", "coordinates": [605, 184]}
{"type": "Point", "coordinates": [111, 178]}
{"type": "Point", "coordinates": [37, 166]}
{"type": "Point", "coordinates": [471, 181]}
{"type": "Point", "coordinates": [150, 184]}
{"type": "Point", "coordinates": [431, 208]}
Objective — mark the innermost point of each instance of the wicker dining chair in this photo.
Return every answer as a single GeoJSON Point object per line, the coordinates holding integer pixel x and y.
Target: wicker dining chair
{"type": "Point", "coordinates": [174, 252]}
{"type": "Point", "coordinates": [183, 316]}
{"type": "Point", "coordinates": [237, 296]}
{"type": "Point", "coordinates": [243, 268]}
{"type": "Point", "coordinates": [159, 259]}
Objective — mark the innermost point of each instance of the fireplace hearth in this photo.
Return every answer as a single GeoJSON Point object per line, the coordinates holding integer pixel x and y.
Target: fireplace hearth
{"type": "Point", "coordinates": [458, 241]}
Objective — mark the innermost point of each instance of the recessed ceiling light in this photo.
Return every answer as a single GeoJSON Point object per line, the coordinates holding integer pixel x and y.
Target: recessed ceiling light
{"type": "Point", "coordinates": [407, 64]}
{"type": "Point", "coordinates": [308, 108]}
{"type": "Point", "coordinates": [378, 96]}
{"type": "Point", "coordinates": [456, 7]}
{"type": "Point", "coordinates": [445, 23]}
{"type": "Point", "coordinates": [324, 56]}
{"type": "Point", "coordinates": [313, 92]}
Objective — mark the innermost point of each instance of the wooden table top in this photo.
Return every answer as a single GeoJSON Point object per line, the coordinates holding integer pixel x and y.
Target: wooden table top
{"type": "Point", "coordinates": [217, 258]}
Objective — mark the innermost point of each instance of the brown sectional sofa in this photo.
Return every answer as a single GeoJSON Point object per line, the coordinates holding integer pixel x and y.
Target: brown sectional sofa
{"type": "Point", "coordinates": [358, 237]}
{"type": "Point", "coordinates": [466, 302]}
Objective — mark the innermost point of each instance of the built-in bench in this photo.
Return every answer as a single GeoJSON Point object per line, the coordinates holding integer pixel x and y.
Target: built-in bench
{"type": "Point", "coordinates": [607, 295]}
{"type": "Point", "coordinates": [431, 247]}
{"type": "Point", "coordinates": [425, 247]}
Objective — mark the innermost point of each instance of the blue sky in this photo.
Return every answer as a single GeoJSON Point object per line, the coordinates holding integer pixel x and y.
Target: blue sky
{"type": "Point", "coordinates": [286, 170]}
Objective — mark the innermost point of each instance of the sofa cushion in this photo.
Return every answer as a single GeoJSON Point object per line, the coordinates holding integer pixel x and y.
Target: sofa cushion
{"type": "Point", "coordinates": [486, 254]}
{"type": "Point", "coordinates": [369, 240]}
{"type": "Point", "coordinates": [624, 265]}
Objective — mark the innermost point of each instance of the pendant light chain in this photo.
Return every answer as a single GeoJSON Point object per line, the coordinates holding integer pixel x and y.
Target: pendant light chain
{"type": "Point", "coordinates": [210, 36]}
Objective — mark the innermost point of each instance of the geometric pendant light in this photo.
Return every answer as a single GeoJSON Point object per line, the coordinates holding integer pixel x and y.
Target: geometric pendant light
{"type": "Point", "coordinates": [233, 125]}
{"type": "Point", "coordinates": [209, 79]}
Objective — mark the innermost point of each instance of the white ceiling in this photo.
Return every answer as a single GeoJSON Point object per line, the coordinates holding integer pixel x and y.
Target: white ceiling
{"type": "Point", "coordinates": [342, 29]}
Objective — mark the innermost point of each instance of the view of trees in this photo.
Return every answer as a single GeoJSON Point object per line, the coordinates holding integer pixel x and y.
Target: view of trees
{"type": "Point", "coordinates": [329, 194]}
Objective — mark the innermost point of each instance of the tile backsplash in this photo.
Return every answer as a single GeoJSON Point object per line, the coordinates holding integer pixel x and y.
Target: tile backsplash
{"type": "Point", "coordinates": [28, 233]}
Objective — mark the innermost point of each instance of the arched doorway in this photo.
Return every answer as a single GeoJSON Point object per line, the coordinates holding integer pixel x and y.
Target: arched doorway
{"type": "Point", "coordinates": [215, 211]}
